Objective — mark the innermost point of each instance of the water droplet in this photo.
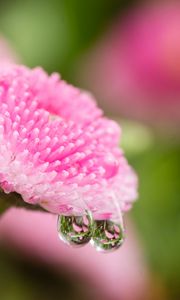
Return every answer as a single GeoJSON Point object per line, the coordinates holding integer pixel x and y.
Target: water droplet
{"type": "Point", "coordinates": [108, 235]}
{"type": "Point", "coordinates": [75, 230]}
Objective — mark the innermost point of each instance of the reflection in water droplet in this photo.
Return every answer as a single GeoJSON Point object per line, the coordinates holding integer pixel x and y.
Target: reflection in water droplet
{"type": "Point", "coordinates": [75, 230]}
{"type": "Point", "coordinates": [107, 236]}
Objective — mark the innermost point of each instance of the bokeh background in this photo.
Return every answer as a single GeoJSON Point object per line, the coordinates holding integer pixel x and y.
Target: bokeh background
{"type": "Point", "coordinates": [127, 53]}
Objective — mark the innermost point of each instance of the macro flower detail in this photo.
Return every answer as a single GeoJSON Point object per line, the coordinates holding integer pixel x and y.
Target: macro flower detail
{"type": "Point", "coordinates": [57, 149]}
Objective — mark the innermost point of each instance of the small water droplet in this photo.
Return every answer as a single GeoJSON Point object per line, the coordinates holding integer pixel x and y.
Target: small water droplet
{"type": "Point", "coordinates": [75, 230]}
{"type": "Point", "coordinates": [108, 235]}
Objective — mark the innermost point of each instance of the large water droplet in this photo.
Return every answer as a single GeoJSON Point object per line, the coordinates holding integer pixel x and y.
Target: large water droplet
{"type": "Point", "coordinates": [75, 230]}
{"type": "Point", "coordinates": [108, 235]}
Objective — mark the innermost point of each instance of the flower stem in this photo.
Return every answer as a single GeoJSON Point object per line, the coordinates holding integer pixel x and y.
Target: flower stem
{"type": "Point", "coordinates": [15, 200]}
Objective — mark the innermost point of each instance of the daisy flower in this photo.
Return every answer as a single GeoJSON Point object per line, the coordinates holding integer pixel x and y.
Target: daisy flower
{"type": "Point", "coordinates": [57, 150]}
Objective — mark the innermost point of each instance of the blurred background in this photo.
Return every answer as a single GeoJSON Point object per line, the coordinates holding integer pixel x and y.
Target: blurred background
{"type": "Point", "coordinates": [127, 53]}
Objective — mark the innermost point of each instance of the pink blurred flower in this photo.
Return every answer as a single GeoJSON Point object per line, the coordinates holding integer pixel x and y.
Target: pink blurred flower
{"type": "Point", "coordinates": [56, 147]}
{"type": "Point", "coordinates": [119, 275]}
{"type": "Point", "coordinates": [135, 68]}
{"type": "Point", "coordinates": [7, 55]}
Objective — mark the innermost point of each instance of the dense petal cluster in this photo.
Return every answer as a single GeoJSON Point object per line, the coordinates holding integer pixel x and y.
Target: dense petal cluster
{"type": "Point", "coordinates": [56, 147]}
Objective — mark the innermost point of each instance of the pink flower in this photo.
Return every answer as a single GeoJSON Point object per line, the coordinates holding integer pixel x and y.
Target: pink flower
{"type": "Point", "coordinates": [135, 69]}
{"type": "Point", "coordinates": [56, 147]}
{"type": "Point", "coordinates": [7, 55]}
